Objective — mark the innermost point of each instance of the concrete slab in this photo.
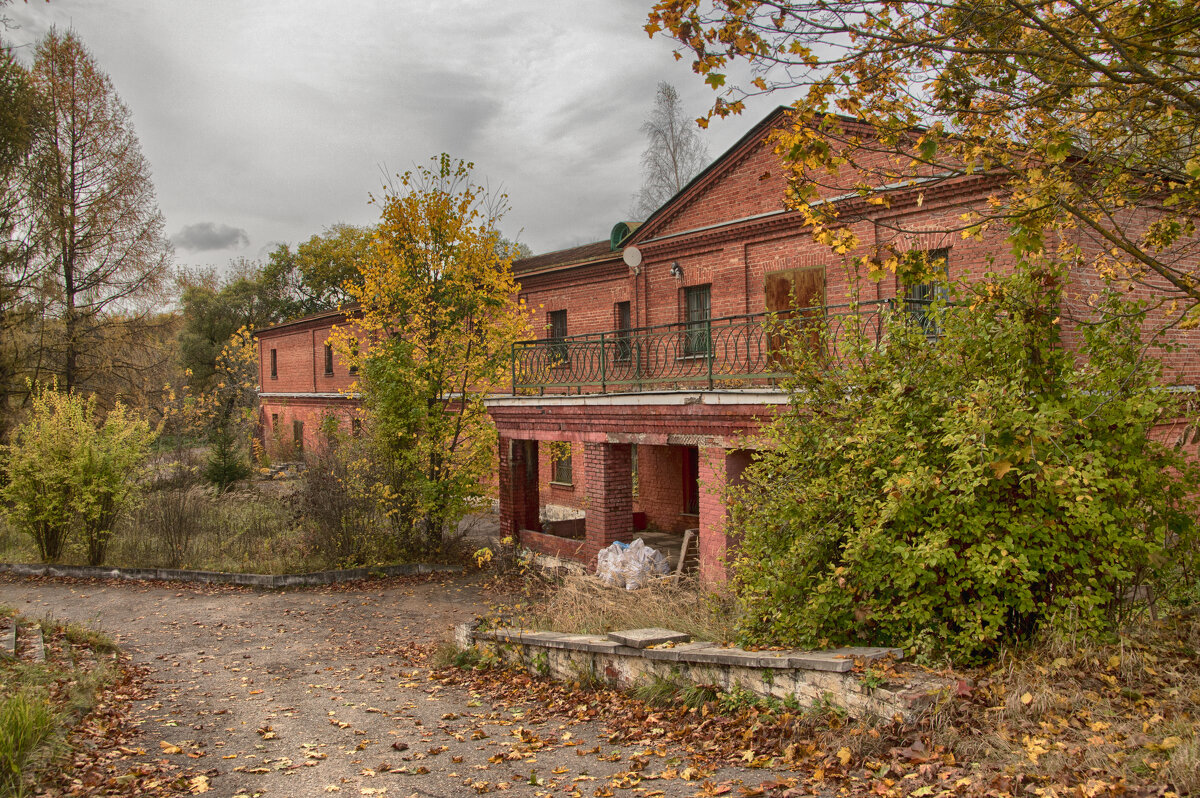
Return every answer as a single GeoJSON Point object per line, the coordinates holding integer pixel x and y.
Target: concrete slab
{"type": "Point", "coordinates": [679, 653]}
{"type": "Point", "coordinates": [756, 659]}
{"type": "Point", "coordinates": [643, 638]}
{"type": "Point", "coordinates": [867, 653]}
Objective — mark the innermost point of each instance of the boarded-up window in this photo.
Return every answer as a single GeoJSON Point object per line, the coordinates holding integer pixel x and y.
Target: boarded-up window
{"type": "Point", "coordinates": [796, 297]}
{"type": "Point", "coordinates": [298, 435]}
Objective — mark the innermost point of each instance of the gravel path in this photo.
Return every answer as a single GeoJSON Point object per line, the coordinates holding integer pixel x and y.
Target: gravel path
{"type": "Point", "coordinates": [326, 691]}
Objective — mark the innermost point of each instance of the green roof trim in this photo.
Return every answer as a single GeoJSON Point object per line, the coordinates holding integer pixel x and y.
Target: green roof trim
{"type": "Point", "coordinates": [621, 231]}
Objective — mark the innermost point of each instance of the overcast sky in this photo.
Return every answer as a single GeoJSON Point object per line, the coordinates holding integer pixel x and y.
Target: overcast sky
{"type": "Point", "coordinates": [265, 122]}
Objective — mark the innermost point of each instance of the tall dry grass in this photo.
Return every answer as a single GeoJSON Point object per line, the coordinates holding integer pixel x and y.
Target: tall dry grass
{"type": "Point", "coordinates": [585, 605]}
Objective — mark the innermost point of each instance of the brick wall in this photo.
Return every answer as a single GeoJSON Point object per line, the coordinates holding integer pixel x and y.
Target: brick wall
{"type": "Point", "coordinates": [610, 502]}
{"type": "Point", "coordinates": [277, 417]}
{"type": "Point", "coordinates": [719, 469]}
{"type": "Point", "coordinates": [300, 361]}
{"type": "Point", "coordinates": [660, 488]}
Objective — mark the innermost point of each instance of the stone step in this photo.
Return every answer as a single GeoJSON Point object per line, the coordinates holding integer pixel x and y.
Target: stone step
{"type": "Point", "coordinates": [31, 646]}
{"type": "Point", "coordinates": [8, 638]}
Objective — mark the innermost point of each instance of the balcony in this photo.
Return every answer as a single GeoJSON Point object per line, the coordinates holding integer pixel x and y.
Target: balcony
{"type": "Point", "coordinates": [747, 351]}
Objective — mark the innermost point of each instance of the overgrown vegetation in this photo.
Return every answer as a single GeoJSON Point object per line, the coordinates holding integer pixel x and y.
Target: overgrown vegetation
{"type": "Point", "coordinates": [585, 605]}
{"type": "Point", "coordinates": [40, 703]}
{"type": "Point", "coordinates": [1061, 714]}
{"type": "Point", "coordinates": [954, 496]}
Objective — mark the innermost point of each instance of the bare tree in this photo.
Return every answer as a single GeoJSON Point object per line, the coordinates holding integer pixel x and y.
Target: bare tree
{"type": "Point", "coordinates": [674, 155]}
{"type": "Point", "coordinates": [96, 221]}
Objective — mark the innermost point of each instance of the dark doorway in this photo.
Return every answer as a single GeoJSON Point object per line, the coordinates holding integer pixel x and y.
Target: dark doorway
{"type": "Point", "coordinates": [691, 480]}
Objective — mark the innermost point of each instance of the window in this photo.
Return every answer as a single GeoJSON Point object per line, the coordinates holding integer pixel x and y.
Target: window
{"type": "Point", "coordinates": [355, 427]}
{"type": "Point", "coordinates": [558, 332]}
{"type": "Point", "coordinates": [274, 364]}
{"type": "Point", "coordinates": [624, 325]}
{"type": "Point", "coordinates": [919, 297]}
{"type": "Point", "coordinates": [328, 360]}
{"type": "Point", "coordinates": [560, 468]}
{"type": "Point", "coordinates": [697, 312]}
{"type": "Point", "coordinates": [354, 359]}
{"type": "Point", "coordinates": [274, 422]}
{"type": "Point", "coordinates": [298, 434]}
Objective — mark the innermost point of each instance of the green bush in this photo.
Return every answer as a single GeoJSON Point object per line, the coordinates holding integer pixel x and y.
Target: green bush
{"type": "Point", "coordinates": [949, 496]}
{"type": "Point", "coordinates": [65, 471]}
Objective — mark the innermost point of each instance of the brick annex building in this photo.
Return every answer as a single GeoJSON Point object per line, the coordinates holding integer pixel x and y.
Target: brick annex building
{"type": "Point", "coordinates": [653, 365]}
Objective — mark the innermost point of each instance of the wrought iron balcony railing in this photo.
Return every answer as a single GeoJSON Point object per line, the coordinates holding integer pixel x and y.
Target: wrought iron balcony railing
{"type": "Point", "coordinates": [730, 352]}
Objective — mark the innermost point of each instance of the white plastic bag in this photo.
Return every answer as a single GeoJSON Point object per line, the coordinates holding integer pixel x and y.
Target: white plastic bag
{"type": "Point", "coordinates": [608, 564]}
{"type": "Point", "coordinates": [630, 566]}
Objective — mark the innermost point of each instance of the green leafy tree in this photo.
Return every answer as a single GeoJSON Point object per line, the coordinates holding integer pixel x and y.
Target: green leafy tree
{"type": "Point", "coordinates": [214, 309]}
{"type": "Point", "coordinates": [1081, 116]}
{"type": "Point", "coordinates": [954, 496]}
{"type": "Point", "coordinates": [438, 319]}
{"type": "Point", "coordinates": [66, 471]}
{"type": "Point", "coordinates": [321, 273]}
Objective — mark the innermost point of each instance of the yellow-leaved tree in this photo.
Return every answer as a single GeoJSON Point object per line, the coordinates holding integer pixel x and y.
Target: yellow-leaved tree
{"type": "Point", "coordinates": [1083, 117]}
{"type": "Point", "coordinates": [439, 314]}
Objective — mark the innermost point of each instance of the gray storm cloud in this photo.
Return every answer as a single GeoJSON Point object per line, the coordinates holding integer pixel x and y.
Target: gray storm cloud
{"type": "Point", "coordinates": [207, 236]}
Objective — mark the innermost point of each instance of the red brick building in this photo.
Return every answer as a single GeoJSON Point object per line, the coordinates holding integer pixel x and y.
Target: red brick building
{"type": "Point", "coordinates": [652, 365]}
{"type": "Point", "coordinates": [303, 385]}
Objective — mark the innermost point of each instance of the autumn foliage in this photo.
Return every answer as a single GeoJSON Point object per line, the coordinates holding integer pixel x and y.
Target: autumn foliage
{"type": "Point", "coordinates": [437, 321]}
{"type": "Point", "coordinates": [954, 496]}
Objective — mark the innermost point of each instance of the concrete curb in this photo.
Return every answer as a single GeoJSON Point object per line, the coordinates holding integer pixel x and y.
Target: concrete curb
{"type": "Point", "coordinates": [269, 581]}
{"type": "Point", "coordinates": [813, 678]}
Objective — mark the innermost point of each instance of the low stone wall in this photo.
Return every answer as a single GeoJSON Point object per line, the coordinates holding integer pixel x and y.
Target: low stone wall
{"type": "Point", "coordinates": [221, 577]}
{"type": "Point", "coordinates": [553, 545]}
{"type": "Point", "coordinates": [842, 677]}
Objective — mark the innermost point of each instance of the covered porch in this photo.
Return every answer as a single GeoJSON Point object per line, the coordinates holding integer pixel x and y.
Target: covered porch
{"type": "Point", "coordinates": [685, 448]}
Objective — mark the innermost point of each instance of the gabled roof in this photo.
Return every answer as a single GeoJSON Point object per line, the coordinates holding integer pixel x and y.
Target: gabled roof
{"type": "Point", "coordinates": [312, 319]}
{"type": "Point", "coordinates": [595, 252]}
{"type": "Point", "coordinates": [724, 162]}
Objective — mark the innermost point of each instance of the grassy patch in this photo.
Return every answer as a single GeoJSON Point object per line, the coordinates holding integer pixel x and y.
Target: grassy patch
{"type": "Point", "coordinates": [41, 702]}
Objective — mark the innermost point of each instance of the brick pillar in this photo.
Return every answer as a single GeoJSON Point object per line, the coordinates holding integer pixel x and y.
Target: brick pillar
{"type": "Point", "coordinates": [519, 500]}
{"type": "Point", "coordinates": [609, 498]}
{"type": "Point", "coordinates": [719, 469]}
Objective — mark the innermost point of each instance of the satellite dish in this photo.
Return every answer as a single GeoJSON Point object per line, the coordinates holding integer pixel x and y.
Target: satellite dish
{"type": "Point", "coordinates": [632, 257]}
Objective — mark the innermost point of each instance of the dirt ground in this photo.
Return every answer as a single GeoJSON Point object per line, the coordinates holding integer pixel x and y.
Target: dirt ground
{"type": "Point", "coordinates": [322, 691]}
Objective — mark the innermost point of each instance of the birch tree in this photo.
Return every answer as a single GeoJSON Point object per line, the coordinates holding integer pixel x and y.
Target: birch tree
{"type": "Point", "coordinates": [674, 154]}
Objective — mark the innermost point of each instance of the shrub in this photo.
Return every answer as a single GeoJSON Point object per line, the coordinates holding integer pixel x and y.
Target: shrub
{"type": "Point", "coordinates": [65, 471]}
{"type": "Point", "coordinates": [951, 496]}
{"type": "Point", "coordinates": [227, 462]}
